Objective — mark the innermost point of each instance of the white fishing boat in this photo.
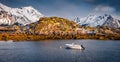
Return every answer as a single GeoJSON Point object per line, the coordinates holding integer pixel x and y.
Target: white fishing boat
{"type": "Point", "coordinates": [74, 46]}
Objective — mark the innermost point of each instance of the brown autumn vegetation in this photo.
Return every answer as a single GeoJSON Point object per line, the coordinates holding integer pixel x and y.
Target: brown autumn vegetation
{"type": "Point", "coordinates": [57, 28]}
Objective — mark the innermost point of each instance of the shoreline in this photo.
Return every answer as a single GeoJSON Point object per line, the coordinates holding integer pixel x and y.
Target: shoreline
{"type": "Point", "coordinates": [29, 37]}
{"type": "Point", "coordinates": [51, 40]}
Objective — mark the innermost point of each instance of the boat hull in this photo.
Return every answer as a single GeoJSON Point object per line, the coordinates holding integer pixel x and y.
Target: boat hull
{"type": "Point", "coordinates": [71, 46]}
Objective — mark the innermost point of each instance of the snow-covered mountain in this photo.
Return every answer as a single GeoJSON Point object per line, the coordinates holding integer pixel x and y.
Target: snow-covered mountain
{"type": "Point", "coordinates": [98, 20]}
{"type": "Point", "coordinates": [23, 15]}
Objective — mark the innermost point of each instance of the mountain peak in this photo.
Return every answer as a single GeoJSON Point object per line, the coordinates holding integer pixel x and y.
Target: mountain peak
{"type": "Point", "coordinates": [23, 15]}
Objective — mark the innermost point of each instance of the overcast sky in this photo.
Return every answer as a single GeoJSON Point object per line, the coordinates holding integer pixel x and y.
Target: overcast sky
{"type": "Point", "coordinates": [68, 8]}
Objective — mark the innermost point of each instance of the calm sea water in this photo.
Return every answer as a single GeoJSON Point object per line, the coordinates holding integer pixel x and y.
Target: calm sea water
{"type": "Point", "coordinates": [50, 51]}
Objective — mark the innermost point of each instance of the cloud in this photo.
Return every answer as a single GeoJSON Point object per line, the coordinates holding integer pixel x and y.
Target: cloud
{"type": "Point", "coordinates": [103, 8]}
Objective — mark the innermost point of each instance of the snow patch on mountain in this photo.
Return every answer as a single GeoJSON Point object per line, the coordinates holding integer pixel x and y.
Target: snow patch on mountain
{"type": "Point", "coordinates": [6, 19]}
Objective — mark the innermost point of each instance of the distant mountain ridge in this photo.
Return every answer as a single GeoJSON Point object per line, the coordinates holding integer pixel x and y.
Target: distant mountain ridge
{"type": "Point", "coordinates": [98, 20]}
{"type": "Point", "coordinates": [28, 15]}
{"type": "Point", "coordinates": [23, 15]}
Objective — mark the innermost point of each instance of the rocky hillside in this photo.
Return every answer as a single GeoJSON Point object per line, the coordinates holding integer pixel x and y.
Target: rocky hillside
{"type": "Point", "coordinates": [54, 24]}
